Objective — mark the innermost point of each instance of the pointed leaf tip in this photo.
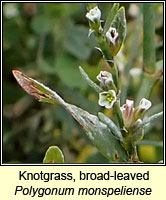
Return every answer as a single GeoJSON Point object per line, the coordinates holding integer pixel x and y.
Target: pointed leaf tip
{"type": "Point", "coordinates": [25, 82]}
{"type": "Point", "coordinates": [32, 87]}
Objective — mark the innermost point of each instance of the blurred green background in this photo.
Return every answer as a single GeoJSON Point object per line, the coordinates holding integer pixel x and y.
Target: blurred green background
{"type": "Point", "coordinates": [48, 41]}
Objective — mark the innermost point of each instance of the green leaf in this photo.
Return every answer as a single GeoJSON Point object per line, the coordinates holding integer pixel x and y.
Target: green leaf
{"type": "Point", "coordinates": [41, 24]}
{"type": "Point", "coordinates": [119, 23]}
{"type": "Point", "coordinates": [111, 125]}
{"type": "Point", "coordinates": [89, 81]}
{"type": "Point", "coordinates": [53, 155]}
{"type": "Point", "coordinates": [45, 67]}
{"type": "Point", "coordinates": [99, 133]}
{"type": "Point", "coordinates": [14, 38]}
{"type": "Point", "coordinates": [110, 17]}
{"type": "Point", "coordinates": [66, 67]}
{"type": "Point", "coordinates": [76, 42]}
{"type": "Point", "coordinates": [149, 120]}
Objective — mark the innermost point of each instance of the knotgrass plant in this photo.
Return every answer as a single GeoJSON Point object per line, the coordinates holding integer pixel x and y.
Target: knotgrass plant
{"type": "Point", "coordinates": [115, 140]}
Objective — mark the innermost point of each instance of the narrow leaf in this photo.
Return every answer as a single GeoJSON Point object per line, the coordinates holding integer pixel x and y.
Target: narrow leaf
{"type": "Point", "coordinates": [149, 120]}
{"type": "Point", "coordinates": [53, 155]}
{"type": "Point", "coordinates": [89, 81]}
{"type": "Point", "coordinates": [119, 23]}
{"type": "Point", "coordinates": [110, 17]}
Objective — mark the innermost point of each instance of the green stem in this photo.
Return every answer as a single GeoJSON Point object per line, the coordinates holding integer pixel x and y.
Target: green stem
{"type": "Point", "coordinates": [109, 58]}
{"type": "Point", "coordinates": [130, 63]}
{"type": "Point", "coordinates": [147, 83]}
{"type": "Point", "coordinates": [119, 115]}
{"type": "Point", "coordinates": [114, 71]}
{"type": "Point", "coordinates": [149, 55]}
{"type": "Point", "coordinates": [131, 149]}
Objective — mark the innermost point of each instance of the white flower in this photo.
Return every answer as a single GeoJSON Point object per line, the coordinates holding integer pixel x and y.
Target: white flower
{"type": "Point", "coordinates": [94, 14]}
{"type": "Point", "coordinates": [141, 108]}
{"type": "Point", "coordinates": [128, 113]}
{"type": "Point", "coordinates": [112, 36]}
{"type": "Point", "coordinates": [144, 104]}
{"type": "Point", "coordinates": [107, 99]}
{"type": "Point", "coordinates": [105, 79]}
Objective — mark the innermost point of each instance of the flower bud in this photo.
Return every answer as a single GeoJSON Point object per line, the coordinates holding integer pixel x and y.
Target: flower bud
{"type": "Point", "coordinates": [112, 37]}
{"type": "Point", "coordinates": [105, 79]}
{"type": "Point", "coordinates": [141, 108]}
{"type": "Point", "coordinates": [128, 113]}
{"type": "Point", "coordinates": [94, 16]}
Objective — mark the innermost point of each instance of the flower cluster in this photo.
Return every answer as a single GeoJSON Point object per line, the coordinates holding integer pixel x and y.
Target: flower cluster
{"type": "Point", "coordinates": [111, 36]}
{"type": "Point", "coordinates": [130, 115]}
{"type": "Point", "coordinates": [108, 97]}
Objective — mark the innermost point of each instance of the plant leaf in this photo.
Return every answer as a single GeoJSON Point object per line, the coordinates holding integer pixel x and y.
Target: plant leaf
{"type": "Point", "coordinates": [99, 133]}
{"type": "Point", "coordinates": [110, 17]}
{"type": "Point", "coordinates": [39, 91]}
{"type": "Point", "coordinates": [41, 24]}
{"type": "Point", "coordinates": [89, 81]}
{"type": "Point", "coordinates": [111, 125]}
{"type": "Point", "coordinates": [149, 120]}
{"type": "Point", "coordinates": [119, 23]}
{"type": "Point", "coordinates": [53, 155]}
